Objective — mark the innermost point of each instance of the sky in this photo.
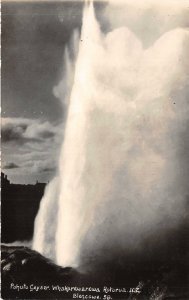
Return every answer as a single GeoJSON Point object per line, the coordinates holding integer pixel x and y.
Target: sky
{"type": "Point", "coordinates": [34, 39]}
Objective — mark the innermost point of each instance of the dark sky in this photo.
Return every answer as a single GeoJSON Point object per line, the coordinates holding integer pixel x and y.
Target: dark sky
{"type": "Point", "coordinates": [33, 41]}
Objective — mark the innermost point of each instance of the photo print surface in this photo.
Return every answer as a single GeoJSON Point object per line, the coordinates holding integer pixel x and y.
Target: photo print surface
{"type": "Point", "coordinates": [95, 163]}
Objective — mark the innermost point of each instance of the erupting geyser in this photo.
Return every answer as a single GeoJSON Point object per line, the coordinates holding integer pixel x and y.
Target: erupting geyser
{"type": "Point", "coordinates": [118, 177]}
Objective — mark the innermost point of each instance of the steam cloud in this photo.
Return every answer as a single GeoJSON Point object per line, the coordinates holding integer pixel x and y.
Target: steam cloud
{"type": "Point", "coordinates": [122, 169]}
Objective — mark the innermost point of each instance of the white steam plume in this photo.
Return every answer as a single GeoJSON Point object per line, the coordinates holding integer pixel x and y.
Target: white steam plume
{"type": "Point", "coordinates": [121, 173]}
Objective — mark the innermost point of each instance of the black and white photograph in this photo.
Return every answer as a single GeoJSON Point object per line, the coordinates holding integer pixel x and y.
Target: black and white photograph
{"type": "Point", "coordinates": [95, 149]}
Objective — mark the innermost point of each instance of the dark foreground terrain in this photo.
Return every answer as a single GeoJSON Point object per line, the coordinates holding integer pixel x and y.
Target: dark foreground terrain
{"type": "Point", "coordinates": [28, 275]}
{"type": "Point", "coordinates": [19, 207]}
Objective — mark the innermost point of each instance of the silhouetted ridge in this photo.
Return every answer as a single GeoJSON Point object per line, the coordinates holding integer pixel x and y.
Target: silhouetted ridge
{"type": "Point", "coordinates": [19, 206]}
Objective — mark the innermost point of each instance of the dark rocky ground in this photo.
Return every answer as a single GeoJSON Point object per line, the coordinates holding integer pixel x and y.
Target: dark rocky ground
{"type": "Point", "coordinates": [19, 207]}
{"type": "Point", "coordinates": [21, 265]}
{"type": "Point", "coordinates": [27, 270]}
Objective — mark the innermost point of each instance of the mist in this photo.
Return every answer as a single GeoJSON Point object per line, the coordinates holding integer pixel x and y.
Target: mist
{"type": "Point", "coordinates": [123, 167]}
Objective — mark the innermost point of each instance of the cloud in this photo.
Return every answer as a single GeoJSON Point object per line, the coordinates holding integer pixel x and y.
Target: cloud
{"type": "Point", "coordinates": [10, 165]}
{"type": "Point", "coordinates": [149, 3]}
{"type": "Point", "coordinates": [48, 169]}
{"type": "Point", "coordinates": [40, 166]}
{"type": "Point", "coordinates": [33, 145]}
{"type": "Point", "coordinates": [21, 131]}
{"type": "Point", "coordinates": [148, 19]}
{"type": "Point", "coordinates": [13, 133]}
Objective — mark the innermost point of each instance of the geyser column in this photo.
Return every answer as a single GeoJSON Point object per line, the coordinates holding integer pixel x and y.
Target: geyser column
{"type": "Point", "coordinates": [74, 208]}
